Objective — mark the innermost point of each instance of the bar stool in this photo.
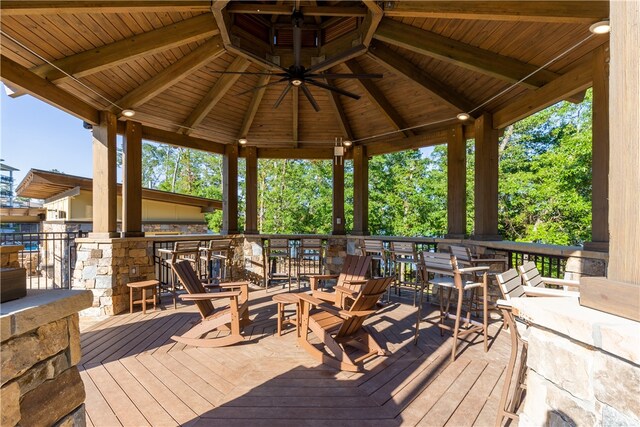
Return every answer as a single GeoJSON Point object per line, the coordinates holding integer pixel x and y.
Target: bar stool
{"type": "Point", "coordinates": [181, 250]}
{"type": "Point", "coordinates": [375, 249]}
{"type": "Point", "coordinates": [217, 257]}
{"type": "Point", "coordinates": [312, 251]}
{"type": "Point", "coordinates": [447, 276]}
{"type": "Point", "coordinates": [274, 253]}
{"type": "Point", "coordinates": [403, 255]}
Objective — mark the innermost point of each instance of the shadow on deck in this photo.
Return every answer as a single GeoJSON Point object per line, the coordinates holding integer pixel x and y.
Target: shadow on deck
{"type": "Point", "coordinates": [135, 375]}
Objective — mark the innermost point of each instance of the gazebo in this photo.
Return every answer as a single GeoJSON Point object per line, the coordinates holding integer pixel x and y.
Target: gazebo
{"type": "Point", "coordinates": [330, 80]}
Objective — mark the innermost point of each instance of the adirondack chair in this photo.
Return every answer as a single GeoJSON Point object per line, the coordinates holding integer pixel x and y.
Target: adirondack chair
{"type": "Point", "coordinates": [349, 281]}
{"type": "Point", "coordinates": [532, 277]}
{"type": "Point", "coordinates": [340, 329]}
{"type": "Point", "coordinates": [230, 318]}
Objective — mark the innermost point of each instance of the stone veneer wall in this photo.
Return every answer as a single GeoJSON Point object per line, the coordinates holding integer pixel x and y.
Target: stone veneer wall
{"type": "Point", "coordinates": [40, 349]}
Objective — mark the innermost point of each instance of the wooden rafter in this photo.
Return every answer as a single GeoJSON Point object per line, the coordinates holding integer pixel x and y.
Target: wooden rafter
{"type": "Point", "coordinates": [292, 153]}
{"type": "Point", "coordinates": [535, 11]}
{"type": "Point", "coordinates": [460, 54]}
{"type": "Point", "coordinates": [172, 74]}
{"type": "Point", "coordinates": [215, 94]}
{"type": "Point", "coordinates": [103, 57]}
{"type": "Point", "coordinates": [398, 64]}
{"type": "Point", "coordinates": [378, 99]}
{"type": "Point", "coordinates": [296, 113]}
{"type": "Point", "coordinates": [371, 21]}
{"type": "Point", "coordinates": [16, 75]}
{"type": "Point", "coordinates": [179, 140]}
{"type": "Point", "coordinates": [250, 114]}
{"type": "Point", "coordinates": [575, 80]}
{"type": "Point", "coordinates": [336, 105]}
{"type": "Point", "coordinates": [274, 9]}
{"type": "Point", "coordinates": [21, 7]}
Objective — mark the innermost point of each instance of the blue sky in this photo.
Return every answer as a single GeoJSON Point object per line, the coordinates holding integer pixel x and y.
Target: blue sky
{"type": "Point", "coordinates": [35, 135]}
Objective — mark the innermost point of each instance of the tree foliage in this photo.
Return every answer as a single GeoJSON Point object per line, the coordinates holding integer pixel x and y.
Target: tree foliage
{"type": "Point", "coordinates": [544, 187]}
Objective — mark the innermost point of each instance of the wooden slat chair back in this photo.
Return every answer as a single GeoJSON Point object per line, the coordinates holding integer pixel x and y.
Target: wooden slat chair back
{"type": "Point", "coordinates": [510, 284]}
{"type": "Point", "coordinates": [311, 251]}
{"type": "Point", "coordinates": [375, 249]}
{"type": "Point", "coordinates": [216, 249]}
{"type": "Point", "coordinates": [339, 329]}
{"type": "Point", "coordinates": [462, 254]}
{"type": "Point", "coordinates": [531, 277]}
{"type": "Point", "coordinates": [404, 256]}
{"type": "Point", "coordinates": [351, 278]}
{"type": "Point", "coordinates": [404, 251]}
{"type": "Point", "coordinates": [277, 249]}
{"type": "Point", "coordinates": [230, 318]}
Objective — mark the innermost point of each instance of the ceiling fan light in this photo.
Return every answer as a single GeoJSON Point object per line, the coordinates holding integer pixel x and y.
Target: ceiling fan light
{"type": "Point", "coordinates": [602, 27]}
{"type": "Point", "coordinates": [128, 113]}
{"type": "Point", "coordinates": [463, 116]}
{"type": "Point", "coordinates": [296, 82]}
{"type": "Point", "coordinates": [242, 141]}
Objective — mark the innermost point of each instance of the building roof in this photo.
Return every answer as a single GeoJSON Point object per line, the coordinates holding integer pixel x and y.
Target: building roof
{"type": "Point", "coordinates": [7, 168]}
{"type": "Point", "coordinates": [39, 184]}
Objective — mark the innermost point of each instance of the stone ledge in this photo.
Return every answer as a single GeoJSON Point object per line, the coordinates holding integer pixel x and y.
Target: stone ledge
{"type": "Point", "coordinates": [565, 316]}
{"type": "Point", "coordinates": [40, 308]}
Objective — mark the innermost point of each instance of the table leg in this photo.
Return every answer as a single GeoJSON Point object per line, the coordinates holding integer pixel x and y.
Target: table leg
{"type": "Point", "coordinates": [130, 300]}
{"type": "Point", "coordinates": [144, 300]}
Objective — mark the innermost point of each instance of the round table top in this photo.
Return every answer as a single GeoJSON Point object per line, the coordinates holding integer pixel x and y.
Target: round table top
{"type": "Point", "coordinates": [143, 284]}
{"type": "Point", "coordinates": [286, 298]}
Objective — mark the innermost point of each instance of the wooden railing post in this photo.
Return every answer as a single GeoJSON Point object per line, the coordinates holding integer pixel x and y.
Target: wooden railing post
{"type": "Point", "coordinates": [251, 214]}
{"type": "Point", "coordinates": [360, 191]}
{"type": "Point", "coordinates": [104, 177]}
{"type": "Point", "coordinates": [456, 183]}
{"type": "Point", "coordinates": [230, 190]}
{"type": "Point", "coordinates": [486, 180]}
{"type": "Point", "coordinates": [132, 180]}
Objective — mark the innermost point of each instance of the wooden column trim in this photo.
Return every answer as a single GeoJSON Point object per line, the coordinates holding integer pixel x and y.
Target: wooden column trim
{"type": "Point", "coordinates": [600, 152]}
{"type": "Point", "coordinates": [132, 180]}
{"type": "Point", "coordinates": [360, 191]}
{"type": "Point", "coordinates": [456, 183]}
{"type": "Point", "coordinates": [624, 158]}
{"type": "Point", "coordinates": [230, 190]}
{"type": "Point", "coordinates": [251, 214]}
{"type": "Point", "coordinates": [104, 177]}
{"type": "Point", "coordinates": [338, 198]}
{"type": "Point", "coordinates": [486, 180]}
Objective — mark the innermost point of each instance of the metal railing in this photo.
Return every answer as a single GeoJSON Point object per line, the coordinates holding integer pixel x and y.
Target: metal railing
{"type": "Point", "coordinates": [49, 258]}
{"type": "Point", "coordinates": [548, 265]}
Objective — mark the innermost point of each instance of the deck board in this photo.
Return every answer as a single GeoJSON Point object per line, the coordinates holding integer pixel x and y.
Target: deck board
{"type": "Point", "coordinates": [136, 375]}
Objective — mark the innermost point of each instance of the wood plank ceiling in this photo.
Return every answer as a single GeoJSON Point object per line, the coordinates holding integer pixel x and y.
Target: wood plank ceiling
{"type": "Point", "coordinates": [164, 58]}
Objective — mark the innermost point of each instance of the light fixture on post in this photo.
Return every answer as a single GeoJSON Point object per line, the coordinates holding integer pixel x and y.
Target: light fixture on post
{"type": "Point", "coordinates": [463, 116]}
{"type": "Point", "coordinates": [128, 113]}
{"type": "Point", "coordinates": [338, 151]}
{"type": "Point", "coordinates": [602, 27]}
{"type": "Point", "coordinates": [347, 143]}
{"type": "Point", "coordinates": [242, 141]}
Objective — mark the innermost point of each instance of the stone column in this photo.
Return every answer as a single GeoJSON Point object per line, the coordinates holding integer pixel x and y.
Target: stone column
{"type": "Point", "coordinates": [104, 177]}
{"type": "Point", "coordinates": [486, 180]}
{"type": "Point", "coordinates": [230, 190]}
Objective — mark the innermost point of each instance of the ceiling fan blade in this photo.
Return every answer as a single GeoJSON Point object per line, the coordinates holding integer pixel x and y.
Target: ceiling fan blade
{"type": "Point", "coordinates": [282, 95]}
{"type": "Point", "coordinates": [260, 87]}
{"type": "Point", "coordinates": [333, 89]}
{"type": "Point", "coordinates": [310, 97]}
{"type": "Point", "coordinates": [346, 76]}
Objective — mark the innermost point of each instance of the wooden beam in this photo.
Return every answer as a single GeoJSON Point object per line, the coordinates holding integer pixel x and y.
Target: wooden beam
{"type": "Point", "coordinates": [336, 105]}
{"type": "Point", "coordinates": [339, 56]}
{"type": "Point", "coordinates": [378, 99]}
{"type": "Point", "coordinates": [21, 7]}
{"type": "Point", "coordinates": [104, 177]}
{"type": "Point", "coordinates": [322, 153]}
{"type": "Point", "coordinates": [173, 74]}
{"type": "Point", "coordinates": [180, 140]}
{"type": "Point", "coordinates": [215, 94]}
{"type": "Point", "coordinates": [534, 11]}
{"type": "Point", "coordinates": [15, 74]}
{"type": "Point", "coordinates": [456, 183]}
{"type": "Point", "coordinates": [600, 152]}
{"type": "Point", "coordinates": [250, 114]}
{"type": "Point", "coordinates": [132, 180]}
{"type": "Point", "coordinates": [230, 190]}
{"type": "Point", "coordinates": [371, 21]}
{"type": "Point", "coordinates": [223, 20]}
{"type": "Point", "coordinates": [486, 180]}
{"type": "Point", "coordinates": [338, 198]}
{"type": "Point", "coordinates": [285, 9]}
{"type": "Point", "coordinates": [251, 213]}
{"type": "Point", "coordinates": [101, 58]}
{"type": "Point", "coordinates": [295, 107]}
{"type": "Point", "coordinates": [575, 80]}
{"type": "Point", "coordinates": [460, 54]}
{"type": "Point", "coordinates": [360, 191]}
{"type": "Point", "coordinates": [398, 64]}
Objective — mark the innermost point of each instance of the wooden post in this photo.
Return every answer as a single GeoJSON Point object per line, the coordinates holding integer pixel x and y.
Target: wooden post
{"type": "Point", "coordinates": [105, 209]}
{"type": "Point", "coordinates": [456, 183]}
{"type": "Point", "coordinates": [600, 152]}
{"type": "Point", "coordinates": [132, 180]}
{"type": "Point", "coordinates": [486, 180]}
{"type": "Point", "coordinates": [251, 214]}
{"type": "Point", "coordinates": [624, 159]}
{"type": "Point", "coordinates": [360, 191]}
{"type": "Point", "coordinates": [338, 198]}
{"type": "Point", "coordinates": [230, 190]}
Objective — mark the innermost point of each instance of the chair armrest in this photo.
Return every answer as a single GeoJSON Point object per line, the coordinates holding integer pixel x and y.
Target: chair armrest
{"type": "Point", "coordinates": [474, 269]}
{"type": "Point", "coordinates": [356, 281]}
{"type": "Point", "coordinates": [342, 289]}
{"type": "Point", "coordinates": [472, 286]}
{"type": "Point", "coordinates": [209, 296]}
{"type": "Point", "coordinates": [504, 304]}
{"type": "Point", "coordinates": [165, 251]}
{"type": "Point", "coordinates": [310, 299]}
{"type": "Point", "coordinates": [543, 292]}
{"type": "Point", "coordinates": [324, 276]}
{"type": "Point", "coordinates": [345, 314]}
{"type": "Point", "coordinates": [560, 282]}
{"type": "Point", "coordinates": [233, 284]}
{"type": "Point", "coordinates": [503, 260]}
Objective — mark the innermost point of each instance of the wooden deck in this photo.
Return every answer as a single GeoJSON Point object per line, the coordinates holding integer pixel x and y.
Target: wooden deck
{"type": "Point", "coordinates": [135, 375]}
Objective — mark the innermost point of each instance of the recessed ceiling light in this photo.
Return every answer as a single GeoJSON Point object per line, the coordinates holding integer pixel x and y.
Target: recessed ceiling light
{"type": "Point", "coordinates": [242, 141]}
{"type": "Point", "coordinates": [347, 143]}
{"type": "Point", "coordinates": [128, 113]}
{"type": "Point", "coordinates": [463, 116]}
{"type": "Point", "coordinates": [602, 27]}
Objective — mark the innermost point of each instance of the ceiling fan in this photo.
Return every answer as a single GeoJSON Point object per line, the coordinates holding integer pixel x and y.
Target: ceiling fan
{"type": "Point", "coordinates": [299, 76]}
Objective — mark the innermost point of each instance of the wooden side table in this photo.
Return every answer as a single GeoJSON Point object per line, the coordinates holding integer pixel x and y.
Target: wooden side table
{"type": "Point", "coordinates": [144, 286]}
{"type": "Point", "coordinates": [283, 300]}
